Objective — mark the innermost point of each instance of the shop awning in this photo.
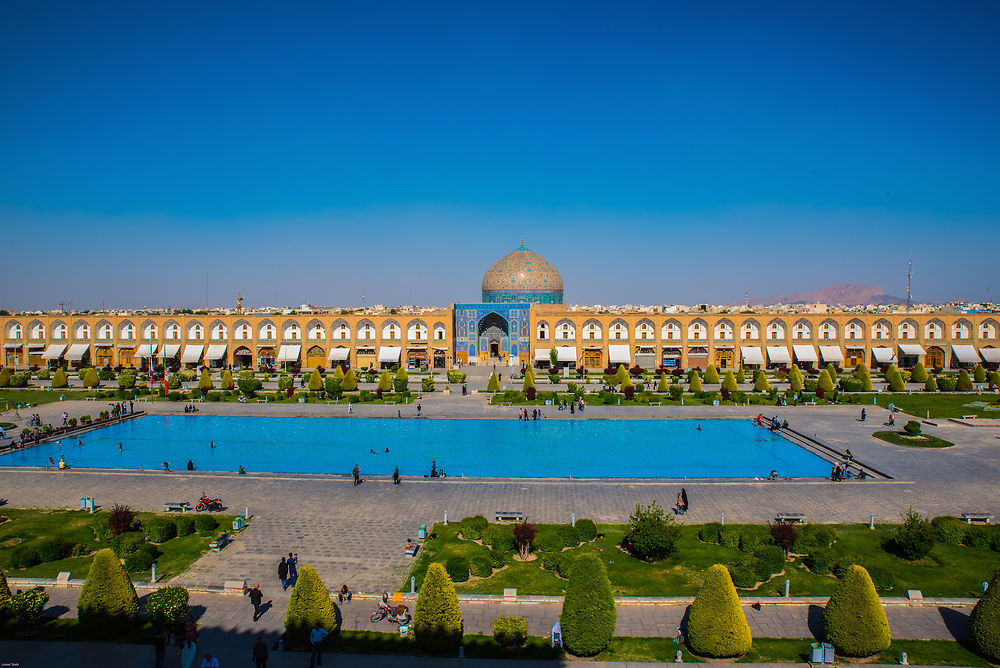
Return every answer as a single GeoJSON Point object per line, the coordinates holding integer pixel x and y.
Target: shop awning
{"type": "Point", "coordinates": [192, 354]}
{"type": "Point", "coordinates": [289, 353]}
{"type": "Point", "coordinates": [77, 351]}
{"type": "Point", "coordinates": [11, 345]}
{"type": "Point", "coordinates": [912, 349]}
{"type": "Point", "coordinates": [991, 355]}
{"type": "Point", "coordinates": [884, 355]}
{"type": "Point", "coordinates": [339, 354]}
{"type": "Point", "coordinates": [388, 354]}
{"type": "Point", "coordinates": [216, 352]}
{"type": "Point", "coordinates": [145, 350]}
{"type": "Point", "coordinates": [170, 350]}
{"type": "Point", "coordinates": [54, 351]}
{"type": "Point", "coordinates": [805, 353]}
{"type": "Point", "coordinates": [965, 354]}
{"type": "Point", "coordinates": [566, 353]}
{"type": "Point", "coordinates": [542, 354]}
{"type": "Point", "coordinates": [752, 355]}
{"type": "Point", "coordinates": [104, 344]}
{"type": "Point", "coordinates": [778, 355]}
{"type": "Point", "coordinates": [831, 353]}
{"type": "Point", "coordinates": [619, 355]}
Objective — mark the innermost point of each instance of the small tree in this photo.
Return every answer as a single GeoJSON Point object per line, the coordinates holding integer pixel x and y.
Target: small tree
{"type": "Point", "coordinates": [979, 374]}
{"type": "Point", "coordinates": [58, 378]}
{"type": "Point", "coordinates": [741, 377]}
{"type": "Point", "coordinates": [914, 538]}
{"type": "Point", "coordinates": [711, 374]}
{"type": "Point", "coordinates": [854, 620]}
{"type": "Point", "coordinates": [338, 372]}
{"type": "Point", "coordinates": [894, 379]}
{"type": "Point", "coordinates": [529, 386]}
{"type": "Point", "coordinates": [309, 603]}
{"type": "Point", "coordinates": [729, 382]}
{"type": "Point", "coordinates": [832, 370]}
{"type": "Point", "coordinates": [984, 621]}
{"type": "Point", "coordinates": [919, 373]}
{"type": "Point", "coordinates": [716, 625]}
{"type": "Point", "coordinates": [964, 382]}
{"type": "Point", "coordinates": [621, 375]}
{"type": "Point", "coordinates": [401, 381]}
{"type": "Point", "coordinates": [588, 614]}
{"type": "Point", "coordinates": [931, 384]}
{"type": "Point", "coordinates": [760, 383]}
{"type": "Point", "coordinates": [795, 378]}
{"type": "Point", "coordinates": [695, 385]}
{"type": "Point", "coordinates": [167, 608]}
{"type": "Point", "coordinates": [226, 381]}
{"type": "Point", "coordinates": [384, 382]}
{"type": "Point", "coordinates": [350, 382]}
{"type": "Point", "coordinates": [437, 618]}
{"type": "Point", "coordinates": [553, 357]}
{"type": "Point", "coordinates": [120, 520]}
{"type": "Point", "coordinates": [651, 533]}
{"type": "Point", "coordinates": [204, 383]}
{"type": "Point", "coordinates": [108, 604]}
{"type": "Point", "coordinates": [524, 533]}
{"type": "Point", "coordinates": [333, 387]}
{"type": "Point", "coordinates": [663, 385]}
{"type": "Point", "coordinates": [493, 385]}
{"type": "Point", "coordinates": [784, 535]}
{"type": "Point", "coordinates": [824, 383]}
{"type": "Point", "coordinates": [90, 378]}
{"type": "Point", "coordinates": [248, 383]}
{"type": "Point", "coordinates": [315, 381]}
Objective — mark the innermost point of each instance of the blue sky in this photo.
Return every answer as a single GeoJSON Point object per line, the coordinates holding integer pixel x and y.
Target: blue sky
{"type": "Point", "coordinates": [654, 152]}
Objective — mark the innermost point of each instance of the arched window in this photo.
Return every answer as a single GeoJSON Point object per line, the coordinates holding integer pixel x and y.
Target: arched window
{"type": "Point", "coordinates": [243, 331]}
{"type": "Point", "coordinates": [173, 332]}
{"type": "Point", "coordinates": [961, 329]}
{"type": "Point", "coordinates": [416, 330]}
{"type": "Point", "coordinates": [341, 331]}
{"type": "Point", "coordinates": [988, 329]}
{"type": "Point", "coordinates": [618, 331]}
{"type": "Point", "coordinates": [697, 331]}
{"type": "Point", "coordinates": [366, 331]}
{"type": "Point", "coordinates": [291, 332]}
{"type": "Point", "coordinates": [391, 331]}
{"type": "Point", "coordinates": [60, 331]}
{"type": "Point", "coordinates": [81, 330]}
{"type": "Point", "coordinates": [196, 331]}
{"type": "Point", "coordinates": [150, 332]}
{"type": "Point", "coordinates": [644, 331]}
{"type": "Point", "coordinates": [880, 330]}
{"type": "Point", "coordinates": [723, 331]}
{"type": "Point", "coordinates": [15, 331]}
{"type": "Point", "coordinates": [219, 331]}
{"type": "Point", "coordinates": [105, 332]}
{"type": "Point", "coordinates": [126, 331]}
{"type": "Point", "coordinates": [565, 331]}
{"type": "Point", "coordinates": [907, 330]}
{"type": "Point", "coordinates": [934, 330]}
{"type": "Point", "coordinates": [267, 331]}
{"type": "Point", "coordinates": [671, 331]}
{"type": "Point", "coordinates": [542, 331]}
{"type": "Point", "coordinates": [592, 330]}
{"type": "Point", "coordinates": [801, 330]}
{"type": "Point", "coordinates": [776, 330]}
{"type": "Point", "coordinates": [828, 330]}
{"type": "Point", "coordinates": [750, 331]}
{"type": "Point", "coordinates": [317, 332]}
{"type": "Point", "coordinates": [439, 331]}
{"type": "Point", "coordinates": [854, 330]}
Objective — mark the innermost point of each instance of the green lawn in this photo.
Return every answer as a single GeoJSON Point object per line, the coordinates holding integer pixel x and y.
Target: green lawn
{"type": "Point", "coordinates": [26, 396]}
{"type": "Point", "coordinates": [941, 404]}
{"type": "Point", "coordinates": [29, 528]}
{"type": "Point", "coordinates": [918, 441]}
{"type": "Point", "coordinates": [950, 570]}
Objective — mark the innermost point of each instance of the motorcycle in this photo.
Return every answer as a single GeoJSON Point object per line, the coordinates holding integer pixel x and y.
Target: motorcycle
{"type": "Point", "coordinates": [397, 614]}
{"type": "Point", "coordinates": [206, 503]}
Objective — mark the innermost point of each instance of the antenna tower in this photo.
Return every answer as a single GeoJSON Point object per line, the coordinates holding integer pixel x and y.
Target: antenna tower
{"type": "Point", "coordinates": [909, 272]}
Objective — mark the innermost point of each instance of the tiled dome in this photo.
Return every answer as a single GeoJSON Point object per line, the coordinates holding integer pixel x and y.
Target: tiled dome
{"type": "Point", "coordinates": [522, 275]}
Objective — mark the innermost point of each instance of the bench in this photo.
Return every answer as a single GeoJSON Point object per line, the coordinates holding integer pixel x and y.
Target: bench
{"type": "Point", "coordinates": [90, 398]}
{"type": "Point", "coordinates": [506, 403]}
{"type": "Point", "coordinates": [509, 516]}
{"type": "Point", "coordinates": [410, 550]}
{"type": "Point", "coordinates": [177, 506]}
{"type": "Point", "coordinates": [655, 403]}
{"type": "Point", "coordinates": [262, 401]}
{"type": "Point", "coordinates": [968, 417]}
{"type": "Point", "coordinates": [977, 517]}
{"type": "Point", "coordinates": [219, 542]}
{"type": "Point", "coordinates": [791, 518]}
{"type": "Point", "coordinates": [142, 399]}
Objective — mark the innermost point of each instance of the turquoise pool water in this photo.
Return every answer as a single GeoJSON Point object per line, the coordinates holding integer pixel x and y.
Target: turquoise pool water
{"type": "Point", "coordinates": [503, 448]}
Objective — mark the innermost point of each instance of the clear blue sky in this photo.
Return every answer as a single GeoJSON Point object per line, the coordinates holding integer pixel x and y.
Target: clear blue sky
{"type": "Point", "coordinates": [654, 152]}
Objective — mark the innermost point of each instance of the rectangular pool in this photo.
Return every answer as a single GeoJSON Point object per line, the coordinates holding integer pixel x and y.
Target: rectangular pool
{"type": "Point", "coordinates": [500, 448]}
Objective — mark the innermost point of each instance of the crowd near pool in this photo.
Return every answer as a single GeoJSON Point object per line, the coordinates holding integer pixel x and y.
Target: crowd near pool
{"type": "Point", "coordinates": [502, 448]}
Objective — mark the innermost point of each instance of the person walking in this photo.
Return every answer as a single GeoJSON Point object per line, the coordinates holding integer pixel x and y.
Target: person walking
{"type": "Point", "coordinates": [160, 647]}
{"type": "Point", "coordinates": [395, 476]}
{"type": "Point", "coordinates": [357, 475]}
{"type": "Point", "coordinates": [283, 574]}
{"type": "Point", "coordinates": [316, 638]}
{"type": "Point", "coordinates": [256, 597]}
{"type": "Point", "coordinates": [864, 414]}
{"type": "Point", "coordinates": [293, 568]}
{"type": "Point", "coordinates": [260, 653]}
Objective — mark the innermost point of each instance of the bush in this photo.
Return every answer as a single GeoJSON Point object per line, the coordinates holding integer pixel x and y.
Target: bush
{"type": "Point", "coordinates": [174, 382]}
{"type": "Point", "coordinates": [185, 525]}
{"type": "Point", "coordinates": [5, 374]}
{"type": "Point", "coordinates": [160, 530]}
{"type": "Point", "coordinates": [709, 533]}
{"type": "Point", "coordinates": [773, 557]}
{"type": "Point", "coordinates": [127, 543]}
{"type": "Point", "coordinates": [676, 392]}
{"type": "Point", "coordinates": [24, 557]}
{"type": "Point", "coordinates": [976, 537]}
{"type": "Point", "coordinates": [949, 530]}
{"type": "Point", "coordinates": [587, 530]}
{"type": "Point", "coordinates": [20, 379]}
{"type": "Point", "coordinates": [569, 535]}
{"type": "Point", "coordinates": [401, 381]}
{"type": "Point", "coordinates": [548, 540]}
{"type": "Point", "coordinates": [820, 561]}
{"type": "Point", "coordinates": [946, 383]}
{"type": "Point", "coordinates": [716, 625]}
{"type": "Point", "coordinates": [26, 607]}
{"type": "Point", "coordinates": [499, 537]}
{"type": "Point", "coordinates": [729, 382]}
{"type": "Point", "coordinates": [167, 607]}
{"type": "Point", "coordinates": [729, 536]}
{"type": "Point", "coordinates": [930, 385]}
{"type": "Point", "coordinates": [743, 574]}
{"type": "Point", "coordinates": [59, 379]}
{"type": "Point", "coordinates": [760, 383]}
{"type": "Point", "coordinates": [473, 527]}
{"type": "Point", "coordinates": [651, 534]}
{"type": "Point", "coordinates": [711, 374]}
{"type": "Point", "coordinates": [854, 620]}
{"type": "Point", "coordinates": [108, 604]}
{"type": "Point", "coordinates": [248, 383]}
{"type": "Point", "coordinates": [848, 384]}
{"type": "Point", "coordinates": [309, 603]}
{"type": "Point", "coordinates": [456, 376]}
{"type": "Point", "coordinates": [695, 381]}
{"type": "Point", "coordinates": [919, 373]}
{"type": "Point", "coordinates": [881, 577]}
{"type": "Point", "coordinates": [813, 536]}
{"type": "Point", "coordinates": [99, 524]}
{"type": "Point", "coordinates": [54, 549]}
{"type": "Point", "coordinates": [457, 568]}
{"type": "Point", "coordinates": [912, 427]}
{"type": "Point", "coordinates": [226, 380]}
{"type": "Point", "coordinates": [914, 538]}
{"type": "Point", "coordinates": [437, 618]}
{"type": "Point", "coordinates": [510, 631]}
{"type": "Point", "coordinates": [498, 559]}
{"type": "Point", "coordinates": [142, 559]}
{"type": "Point", "coordinates": [984, 621]}
{"type": "Point", "coordinates": [964, 382]}
{"type": "Point", "coordinates": [205, 523]}
{"type": "Point", "coordinates": [750, 539]}
{"type": "Point", "coordinates": [427, 384]}
{"type": "Point", "coordinates": [481, 567]}
{"type": "Point", "coordinates": [588, 613]}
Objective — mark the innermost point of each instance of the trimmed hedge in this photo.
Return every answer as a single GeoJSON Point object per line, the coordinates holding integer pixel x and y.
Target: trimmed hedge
{"type": "Point", "coordinates": [127, 543]}
{"type": "Point", "coordinates": [820, 560]}
{"type": "Point", "coordinates": [587, 530]}
{"type": "Point", "coordinates": [716, 625]}
{"type": "Point", "coordinates": [500, 537]}
{"type": "Point", "coordinates": [185, 525]}
{"type": "Point", "coordinates": [510, 631]}
{"type": "Point", "coordinates": [108, 604]}
{"type": "Point", "coordinates": [205, 523]}
{"type": "Point", "coordinates": [160, 530]}
{"type": "Point", "coordinates": [588, 613]}
{"type": "Point", "coordinates": [481, 567]}
{"type": "Point", "coordinates": [984, 621]}
{"type": "Point", "coordinates": [437, 619]}
{"type": "Point", "coordinates": [949, 530]}
{"type": "Point", "coordinates": [854, 620]}
{"type": "Point", "coordinates": [709, 533]}
{"type": "Point", "coordinates": [457, 568]}
{"type": "Point", "coordinates": [142, 559]}
{"type": "Point", "coordinates": [309, 603]}
{"type": "Point", "coordinates": [473, 527]}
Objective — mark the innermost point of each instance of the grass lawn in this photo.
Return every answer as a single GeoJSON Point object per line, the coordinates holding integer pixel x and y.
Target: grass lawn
{"type": "Point", "coordinates": [29, 528]}
{"type": "Point", "coordinates": [27, 396]}
{"type": "Point", "coordinates": [917, 441]}
{"type": "Point", "coordinates": [950, 570]}
{"type": "Point", "coordinates": [941, 404]}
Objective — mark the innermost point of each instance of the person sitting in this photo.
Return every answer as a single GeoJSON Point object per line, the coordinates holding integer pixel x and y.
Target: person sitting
{"type": "Point", "coordinates": [410, 549]}
{"type": "Point", "coordinates": [190, 466]}
{"type": "Point", "coordinates": [241, 470]}
{"type": "Point", "coordinates": [862, 475]}
{"type": "Point", "coordinates": [344, 594]}
{"type": "Point", "coordinates": [773, 476]}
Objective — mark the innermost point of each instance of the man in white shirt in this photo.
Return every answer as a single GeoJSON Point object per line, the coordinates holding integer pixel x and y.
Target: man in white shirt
{"type": "Point", "coordinates": [316, 638]}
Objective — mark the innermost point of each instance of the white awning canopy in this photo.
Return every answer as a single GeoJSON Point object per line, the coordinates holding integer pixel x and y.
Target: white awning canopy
{"type": "Point", "coordinates": [778, 355]}
{"type": "Point", "coordinates": [54, 351]}
{"type": "Point", "coordinates": [965, 354]}
{"type": "Point", "coordinates": [289, 353]}
{"type": "Point", "coordinates": [991, 355]}
{"type": "Point", "coordinates": [542, 354]}
{"type": "Point", "coordinates": [77, 351]}
{"type": "Point", "coordinates": [145, 350]}
{"type": "Point", "coordinates": [884, 355]}
{"type": "Point", "coordinates": [170, 350]}
{"type": "Point", "coordinates": [805, 353]}
{"type": "Point", "coordinates": [215, 352]}
{"type": "Point", "coordinates": [912, 349]}
{"type": "Point", "coordinates": [11, 345]}
{"type": "Point", "coordinates": [619, 355]}
{"type": "Point", "coordinates": [831, 353]}
{"type": "Point", "coordinates": [192, 354]}
{"type": "Point", "coordinates": [566, 353]}
{"type": "Point", "coordinates": [388, 354]}
{"type": "Point", "coordinates": [751, 355]}
{"type": "Point", "coordinates": [339, 354]}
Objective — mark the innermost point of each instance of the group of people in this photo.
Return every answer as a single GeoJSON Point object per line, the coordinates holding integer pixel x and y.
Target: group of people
{"type": "Point", "coordinates": [190, 408]}
{"type": "Point", "coordinates": [536, 414]}
{"type": "Point", "coordinates": [571, 404]}
{"type": "Point", "coordinates": [770, 423]}
{"type": "Point", "coordinates": [288, 570]}
{"type": "Point", "coordinates": [682, 502]}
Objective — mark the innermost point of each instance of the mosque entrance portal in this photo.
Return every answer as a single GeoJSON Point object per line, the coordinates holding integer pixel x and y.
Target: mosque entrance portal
{"type": "Point", "coordinates": [493, 335]}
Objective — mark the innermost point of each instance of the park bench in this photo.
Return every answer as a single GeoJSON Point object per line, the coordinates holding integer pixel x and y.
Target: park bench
{"type": "Point", "coordinates": [977, 517]}
{"type": "Point", "coordinates": [790, 518]}
{"type": "Point", "coordinates": [506, 403]}
{"type": "Point", "coordinates": [655, 403]}
{"type": "Point", "coordinates": [262, 401]}
{"type": "Point", "coordinates": [177, 506]}
{"type": "Point", "coordinates": [142, 399]}
{"type": "Point", "coordinates": [90, 398]}
{"type": "Point", "coordinates": [509, 516]}
{"type": "Point", "coordinates": [968, 417]}
{"type": "Point", "coordinates": [410, 550]}
{"type": "Point", "coordinates": [219, 542]}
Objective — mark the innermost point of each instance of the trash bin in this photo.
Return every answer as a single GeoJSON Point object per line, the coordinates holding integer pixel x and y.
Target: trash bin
{"type": "Point", "coordinates": [821, 652]}
{"type": "Point", "coordinates": [83, 502]}
{"type": "Point", "coordinates": [421, 531]}
{"type": "Point", "coordinates": [237, 524]}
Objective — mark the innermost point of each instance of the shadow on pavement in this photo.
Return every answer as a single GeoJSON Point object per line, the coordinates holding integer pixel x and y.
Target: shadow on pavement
{"type": "Point", "coordinates": [956, 621]}
{"type": "Point", "coordinates": [815, 620]}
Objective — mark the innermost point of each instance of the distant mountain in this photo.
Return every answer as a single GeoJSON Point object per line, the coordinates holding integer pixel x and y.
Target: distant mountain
{"type": "Point", "coordinates": [847, 294]}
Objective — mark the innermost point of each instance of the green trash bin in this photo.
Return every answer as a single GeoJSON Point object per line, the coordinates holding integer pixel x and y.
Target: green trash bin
{"type": "Point", "coordinates": [421, 531]}
{"type": "Point", "coordinates": [237, 524]}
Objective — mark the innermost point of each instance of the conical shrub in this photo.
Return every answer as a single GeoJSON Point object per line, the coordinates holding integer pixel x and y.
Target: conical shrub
{"type": "Point", "coordinates": [854, 620]}
{"type": "Point", "coordinates": [930, 385]}
{"type": "Point", "coordinates": [729, 382]}
{"type": "Point", "coordinates": [760, 383]}
{"type": "Point", "coordinates": [529, 386]}
{"type": "Point", "coordinates": [741, 377]}
{"type": "Point", "coordinates": [309, 603]}
{"type": "Point", "coordinates": [205, 383]}
{"type": "Point", "coordinates": [979, 374]}
{"type": "Point", "coordinates": [226, 381]}
{"type": "Point", "coordinates": [695, 385]}
{"type": "Point", "coordinates": [919, 373]}
{"type": "Point", "coordinates": [711, 374]}
{"type": "Point", "coordinates": [90, 378]}
{"type": "Point", "coordinates": [588, 613]}
{"type": "Point", "coordinates": [5, 374]}
{"type": "Point", "coordinates": [350, 382]}
{"type": "Point", "coordinates": [338, 373]}
{"type": "Point", "coordinates": [4, 596]}
{"type": "Point", "coordinates": [825, 381]}
{"type": "Point", "coordinates": [59, 379]}
{"type": "Point", "coordinates": [984, 622]}
{"type": "Point", "coordinates": [795, 378]}
{"type": "Point", "coordinates": [493, 385]}
{"type": "Point", "coordinates": [108, 604]}
{"type": "Point", "coordinates": [717, 626]}
{"type": "Point", "coordinates": [663, 385]}
{"type": "Point", "coordinates": [964, 382]}
{"type": "Point", "coordinates": [832, 371]}
{"type": "Point", "coordinates": [385, 382]}
{"type": "Point", "coordinates": [437, 618]}
{"type": "Point", "coordinates": [315, 381]}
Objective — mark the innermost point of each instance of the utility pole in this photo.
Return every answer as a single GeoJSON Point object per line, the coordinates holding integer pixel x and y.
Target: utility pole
{"type": "Point", "coordinates": [909, 272]}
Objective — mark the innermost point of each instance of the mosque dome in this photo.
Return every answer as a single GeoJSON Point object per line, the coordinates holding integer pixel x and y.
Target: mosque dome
{"type": "Point", "coordinates": [522, 276]}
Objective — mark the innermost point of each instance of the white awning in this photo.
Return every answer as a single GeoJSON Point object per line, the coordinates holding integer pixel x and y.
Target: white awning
{"type": "Point", "coordinates": [991, 355]}
{"type": "Point", "coordinates": [778, 355]}
{"type": "Point", "coordinates": [752, 355]}
{"type": "Point", "coordinates": [11, 345]}
{"type": "Point", "coordinates": [77, 351]}
{"type": "Point", "coordinates": [170, 350]}
{"type": "Point", "coordinates": [805, 353]}
{"type": "Point", "coordinates": [215, 352]}
{"type": "Point", "coordinates": [104, 344]}
{"type": "Point", "coordinates": [542, 354]}
{"type": "Point", "coordinates": [566, 353]}
{"type": "Point", "coordinates": [388, 354]}
{"type": "Point", "coordinates": [831, 353]}
{"type": "Point", "coordinates": [191, 354]}
{"type": "Point", "coordinates": [912, 349]}
{"type": "Point", "coordinates": [965, 354]}
{"type": "Point", "coordinates": [145, 350]}
{"type": "Point", "coordinates": [339, 354]}
{"type": "Point", "coordinates": [884, 355]}
{"type": "Point", "coordinates": [289, 353]}
{"type": "Point", "coordinates": [54, 351]}
{"type": "Point", "coordinates": [619, 355]}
